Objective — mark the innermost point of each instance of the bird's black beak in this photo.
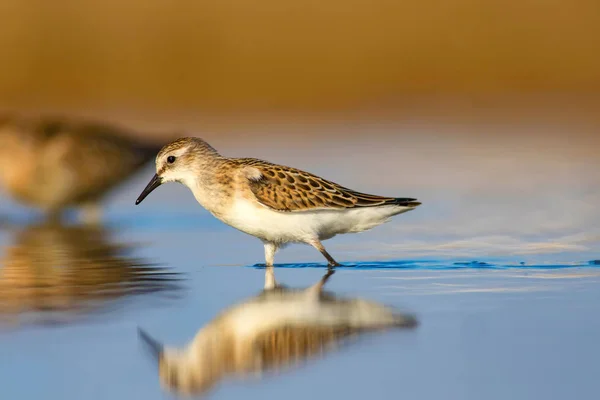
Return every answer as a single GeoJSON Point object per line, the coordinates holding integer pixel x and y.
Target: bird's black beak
{"type": "Point", "coordinates": [152, 346]}
{"type": "Point", "coordinates": [155, 182]}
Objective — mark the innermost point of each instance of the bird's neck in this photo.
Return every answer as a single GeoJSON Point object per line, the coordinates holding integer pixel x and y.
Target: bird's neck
{"type": "Point", "coordinates": [206, 185]}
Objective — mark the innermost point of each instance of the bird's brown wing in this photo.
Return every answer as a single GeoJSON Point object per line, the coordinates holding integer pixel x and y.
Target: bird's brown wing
{"type": "Point", "coordinates": [288, 189]}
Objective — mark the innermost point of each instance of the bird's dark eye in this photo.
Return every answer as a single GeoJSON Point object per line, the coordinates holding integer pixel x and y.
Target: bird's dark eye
{"type": "Point", "coordinates": [171, 159]}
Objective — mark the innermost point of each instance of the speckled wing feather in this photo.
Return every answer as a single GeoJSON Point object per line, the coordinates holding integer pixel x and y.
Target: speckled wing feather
{"type": "Point", "coordinates": [288, 189]}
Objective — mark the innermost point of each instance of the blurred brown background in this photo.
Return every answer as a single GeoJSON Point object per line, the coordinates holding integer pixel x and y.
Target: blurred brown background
{"type": "Point", "coordinates": [237, 56]}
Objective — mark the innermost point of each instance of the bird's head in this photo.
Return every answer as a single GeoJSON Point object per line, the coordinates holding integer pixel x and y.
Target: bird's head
{"type": "Point", "coordinates": [179, 161]}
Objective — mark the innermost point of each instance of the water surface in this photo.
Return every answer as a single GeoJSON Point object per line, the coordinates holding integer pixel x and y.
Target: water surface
{"type": "Point", "coordinates": [506, 292]}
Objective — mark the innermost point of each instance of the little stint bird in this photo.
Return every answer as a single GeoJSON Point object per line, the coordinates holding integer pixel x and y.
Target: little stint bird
{"type": "Point", "coordinates": [53, 163]}
{"type": "Point", "coordinates": [277, 204]}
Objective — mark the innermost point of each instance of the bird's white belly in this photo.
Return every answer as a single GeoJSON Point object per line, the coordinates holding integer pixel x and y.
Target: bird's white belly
{"type": "Point", "coordinates": [303, 226]}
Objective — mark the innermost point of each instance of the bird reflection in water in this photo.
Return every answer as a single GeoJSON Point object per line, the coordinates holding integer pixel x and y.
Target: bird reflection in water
{"type": "Point", "coordinates": [53, 272]}
{"type": "Point", "coordinates": [279, 328]}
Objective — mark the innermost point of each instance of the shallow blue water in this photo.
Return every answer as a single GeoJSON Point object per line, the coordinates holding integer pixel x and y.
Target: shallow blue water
{"type": "Point", "coordinates": [482, 334]}
{"type": "Point", "coordinates": [499, 318]}
{"type": "Point", "coordinates": [438, 265]}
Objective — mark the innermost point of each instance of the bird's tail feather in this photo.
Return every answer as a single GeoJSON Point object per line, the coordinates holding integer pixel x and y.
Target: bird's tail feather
{"type": "Point", "coordinates": [405, 202]}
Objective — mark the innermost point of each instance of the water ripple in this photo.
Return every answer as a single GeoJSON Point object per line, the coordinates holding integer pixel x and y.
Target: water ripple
{"type": "Point", "coordinates": [438, 265]}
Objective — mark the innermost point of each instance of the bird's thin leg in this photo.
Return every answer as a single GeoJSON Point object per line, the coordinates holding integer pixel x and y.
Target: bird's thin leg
{"type": "Point", "coordinates": [270, 250]}
{"type": "Point", "coordinates": [319, 246]}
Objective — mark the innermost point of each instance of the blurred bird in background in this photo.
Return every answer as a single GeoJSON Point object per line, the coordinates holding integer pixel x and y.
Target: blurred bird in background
{"type": "Point", "coordinates": [53, 163]}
